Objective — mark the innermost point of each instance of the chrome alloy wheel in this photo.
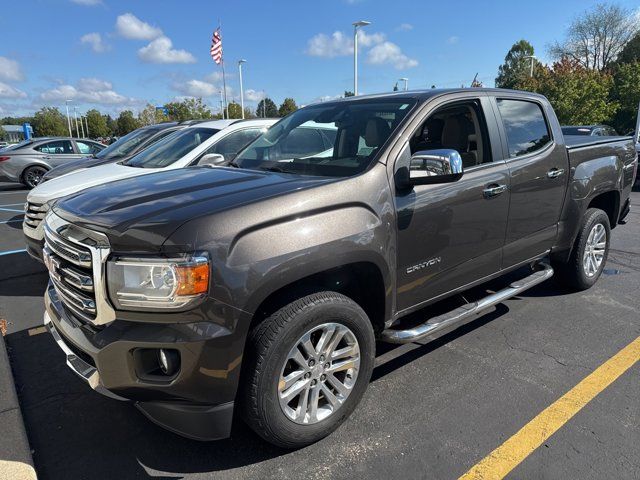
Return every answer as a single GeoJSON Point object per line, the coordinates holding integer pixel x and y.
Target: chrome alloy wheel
{"type": "Point", "coordinates": [594, 250]}
{"type": "Point", "coordinates": [319, 373]}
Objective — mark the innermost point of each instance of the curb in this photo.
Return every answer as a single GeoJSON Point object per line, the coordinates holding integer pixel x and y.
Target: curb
{"type": "Point", "coordinates": [16, 462]}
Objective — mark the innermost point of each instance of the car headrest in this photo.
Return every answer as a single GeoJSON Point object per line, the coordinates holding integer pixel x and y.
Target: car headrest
{"type": "Point", "coordinates": [376, 132]}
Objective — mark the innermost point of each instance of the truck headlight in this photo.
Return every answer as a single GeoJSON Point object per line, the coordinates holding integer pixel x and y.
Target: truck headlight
{"type": "Point", "coordinates": [151, 284]}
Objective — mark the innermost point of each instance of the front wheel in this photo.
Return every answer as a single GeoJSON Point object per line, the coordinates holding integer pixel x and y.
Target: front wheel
{"type": "Point", "coordinates": [33, 175]}
{"type": "Point", "coordinates": [309, 365]}
{"type": "Point", "coordinates": [590, 252]}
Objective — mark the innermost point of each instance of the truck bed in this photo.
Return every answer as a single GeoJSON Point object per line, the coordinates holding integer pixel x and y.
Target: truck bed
{"type": "Point", "coordinates": [579, 141]}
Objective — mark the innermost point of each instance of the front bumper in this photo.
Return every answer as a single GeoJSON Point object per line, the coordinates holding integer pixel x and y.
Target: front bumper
{"type": "Point", "coordinates": [197, 402]}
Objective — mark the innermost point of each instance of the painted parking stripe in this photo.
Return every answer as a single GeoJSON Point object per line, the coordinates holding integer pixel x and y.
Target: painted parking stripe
{"type": "Point", "coordinates": [10, 252]}
{"type": "Point", "coordinates": [507, 456]}
{"type": "Point", "coordinates": [13, 205]}
{"type": "Point", "coordinates": [10, 210]}
{"type": "Point", "coordinates": [11, 221]}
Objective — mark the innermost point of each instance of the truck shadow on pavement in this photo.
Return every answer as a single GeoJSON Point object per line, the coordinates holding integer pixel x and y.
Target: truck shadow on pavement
{"type": "Point", "coordinates": [76, 433]}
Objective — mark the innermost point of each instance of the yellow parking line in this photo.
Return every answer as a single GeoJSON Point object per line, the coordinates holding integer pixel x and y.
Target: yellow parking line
{"type": "Point", "coordinates": [508, 455]}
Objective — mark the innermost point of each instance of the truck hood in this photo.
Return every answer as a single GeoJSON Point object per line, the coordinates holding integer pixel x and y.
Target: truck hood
{"type": "Point", "coordinates": [147, 209]}
{"type": "Point", "coordinates": [75, 182]}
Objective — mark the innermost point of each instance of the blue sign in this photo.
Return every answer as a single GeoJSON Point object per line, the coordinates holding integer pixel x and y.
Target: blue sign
{"type": "Point", "coordinates": [163, 109]}
{"type": "Point", "coordinates": [26, 128]}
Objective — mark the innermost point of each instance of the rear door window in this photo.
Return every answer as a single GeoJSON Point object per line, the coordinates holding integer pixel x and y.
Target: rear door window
{"type": "Point", "coordinates": [87, 148]}
{"type": "Point", "coordinates": [525, 126]}
{"type": "Point", "coordinates": [58, 147]}
{"type": "Point", "coordinates": [230, 145]}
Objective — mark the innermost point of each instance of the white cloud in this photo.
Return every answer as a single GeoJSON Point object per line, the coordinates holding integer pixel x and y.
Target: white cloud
{"type": "Point", "coordinates": [390, 53]}
{"type": "Point", "coordinates": [196, 88]}
{"type": "Point", "coordinates": [131, 27]}
{"type": "Point", "coordinates": [161, 50]}
{"type": "Point", "coordinates": [7, 91]}
{"type": "Point", "coordinates": [88, 90]}
{"type": "Point", "coordinates": [253, 95]}
{"type": "Point", "coordinates": [405, 27]}
{"type": "Point", "coordinates": [452, 40]}
{"type": "Point", "coordinates": [340, 44]}
{"type": "Point", "coordinates": [94, 40]}
{"type": "Point", "coordinates": [87, 3]}
{"type": "Point", "coordinates": [10, 70]}
{"type": "Point", "coordinates": [214, 77]}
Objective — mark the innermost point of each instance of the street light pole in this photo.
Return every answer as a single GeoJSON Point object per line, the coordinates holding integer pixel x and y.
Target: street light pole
{"type": "Point", "coordinates": [240, 62]}
{"type": "Point", "coordinates": [532, 57]}
{"type": "Point", "coordinates": [361, 23]}
{"type": "Point", "coordinates": [75, 114]}
{"type": "Point", "coordinates": [222, 104]}
{"type": "Point", "coordinates": [406, 83]}
{"type": "Point", "coordinates": [66, 104]}
{"type": "Point", "coordinates": [86, 123]}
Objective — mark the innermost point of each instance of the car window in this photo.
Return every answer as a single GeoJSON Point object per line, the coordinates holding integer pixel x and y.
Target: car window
{"type": "Point", "coordinates": [611, 132]}
{"type": "Point", "coordinates": [87, 148]}
{"type": "Point", "coordinates": [329, 136]}
{"type": "Point", "coordinates": [127, 144]}
{"type": "Point", "coordinates": [172, 148]}
{"type": "Point", "coordinates": [525, 126]}
{"type": "Point", "coordinates": [294, 145]}
{"type": "Point", "coordinates": [231, 144]}
{"type": "Point", "coordinates": [57, 147]}
{"type": "Point", "coordinates": [303, 142]}
{"type": "Point", "coordinates": [460, 126]}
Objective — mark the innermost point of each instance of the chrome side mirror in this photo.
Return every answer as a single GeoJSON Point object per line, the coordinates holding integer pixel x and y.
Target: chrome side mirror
{"type": "Point", "coordinates": [435, 166]}
{"type": "Point", "coordinates": [212, 160]}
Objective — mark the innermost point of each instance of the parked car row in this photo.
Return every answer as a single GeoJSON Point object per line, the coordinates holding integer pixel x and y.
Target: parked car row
{"type": "Point", "coordinates": [250, 266]}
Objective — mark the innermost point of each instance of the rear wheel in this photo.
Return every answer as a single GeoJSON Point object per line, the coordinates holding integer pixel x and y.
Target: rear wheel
{"type": "Point", "coordinates": [309, 365]}
{"type": "Point", "coordinates": [590, 252]}
{"type": "Point", "coordinates": [32, 176]}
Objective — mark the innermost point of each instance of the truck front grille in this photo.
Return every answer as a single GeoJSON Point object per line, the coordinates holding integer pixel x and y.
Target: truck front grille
{"type": "Point", "coordinates": [71, 273]}
{"type": "Point", "coordinates": [34, 214]}
{"type": "Point", "coordinates": [75, 258]}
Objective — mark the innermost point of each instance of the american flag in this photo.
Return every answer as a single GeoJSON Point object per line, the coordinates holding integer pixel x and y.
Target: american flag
{"type": "Point", "coordinates": [216, 47]}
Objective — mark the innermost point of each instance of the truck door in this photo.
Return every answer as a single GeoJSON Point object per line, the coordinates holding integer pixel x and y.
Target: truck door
{"type": "Point", "coordinates": [452, 234]}
{"type": "Point", "coordinates": [538, 166]}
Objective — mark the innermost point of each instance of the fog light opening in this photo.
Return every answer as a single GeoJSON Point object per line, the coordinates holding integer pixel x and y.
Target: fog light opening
{"type": "Point", "coordinates": [169, 361]}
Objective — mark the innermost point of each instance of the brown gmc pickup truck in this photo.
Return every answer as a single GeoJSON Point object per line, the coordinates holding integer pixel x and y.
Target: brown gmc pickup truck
{"type": "Point", "coordinates": [263, 285]}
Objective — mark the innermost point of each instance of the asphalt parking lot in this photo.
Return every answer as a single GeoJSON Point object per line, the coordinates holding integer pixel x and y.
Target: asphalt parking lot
{"type": "Point", "coordinates": [433, 410]}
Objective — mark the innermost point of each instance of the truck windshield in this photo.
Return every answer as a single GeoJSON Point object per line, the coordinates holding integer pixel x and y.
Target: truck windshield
{"type": "Point", "coordinates": [172, 148]}
{"type": "Point", "coordinates": [336, 139]}
{"type": "Point", "coordinates": [127, 144]}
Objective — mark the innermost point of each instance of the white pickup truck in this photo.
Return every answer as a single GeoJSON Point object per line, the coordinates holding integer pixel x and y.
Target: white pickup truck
{"type": "Point", "coordinates": [183, 148]}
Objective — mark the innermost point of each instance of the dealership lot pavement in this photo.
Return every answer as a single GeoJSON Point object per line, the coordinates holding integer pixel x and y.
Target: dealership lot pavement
{"type": "Point", "coordinates": [433, 410]}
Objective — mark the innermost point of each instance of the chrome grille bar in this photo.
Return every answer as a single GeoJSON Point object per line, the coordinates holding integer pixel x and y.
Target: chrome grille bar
{"type": "Point", "coordinates": [67, 251]}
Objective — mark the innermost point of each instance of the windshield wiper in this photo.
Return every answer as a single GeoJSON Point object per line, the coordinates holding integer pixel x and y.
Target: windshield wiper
{"type": "Point", "coordinates": [233, 164]}
{"type": "Point", "coordinates": [274, 169]}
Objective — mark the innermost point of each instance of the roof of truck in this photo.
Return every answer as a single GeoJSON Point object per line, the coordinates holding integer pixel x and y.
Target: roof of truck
{"type": "Point", "coordinates": [432, 92]}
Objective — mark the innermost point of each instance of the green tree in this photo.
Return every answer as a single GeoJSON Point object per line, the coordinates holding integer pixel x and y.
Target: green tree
{"type": "Point", "coordinates": [579, 95]}
{"type": "Point", "coordinates": [267, 108]}
{"type": "Point", "coordinates": [626, 93]}
{"type": "Point", "coordinates": [517, 67]}
{"type": "Point", "coordinates": [96, 124]}
{"type": "Point", "coordinates": [126, 123]}
{"type": "Point", "coordinates": [288, 106]}
{"type": "Point", "coordinates": [248, 113]}
{"type": "Point", "coordinates": [3, 134]}
{"type": "Point", "coordinates": [49, 122]}
{"type": "Point", "coordinates": [188, 109]}
{"type": "Point", "coordinates": [234, 110]}
{"type": "Point", "coordinates": [348, 93]}
{"type": "Point", "coordinates": [151, 115]}
{"type": "Point", "coordinates": [112, 126]}
{"type": "Point", "coordinates": [631, 51]}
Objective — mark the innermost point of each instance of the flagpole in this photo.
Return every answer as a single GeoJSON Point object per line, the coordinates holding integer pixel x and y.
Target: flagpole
{"type": "Point", "coordinates": [224, 77]}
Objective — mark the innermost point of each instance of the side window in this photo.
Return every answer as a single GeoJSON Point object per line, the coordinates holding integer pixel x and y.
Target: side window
{"type": "Point", "coordinates": [525, 126]}
{"type": "Point", "coordinates": [56, 148]}
{"type": "Point", "coordinates": [302, 142]}
{"type": "Point", "coordinates": [460, 126]}
{"type": "Point", "coordinates": [86, 148]}
{"type": "Point", "coordinates": [230, 145]}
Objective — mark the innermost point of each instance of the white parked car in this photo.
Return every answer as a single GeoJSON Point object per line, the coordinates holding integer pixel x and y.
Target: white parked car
{"type": "Point", "coordinates": [189, 146]}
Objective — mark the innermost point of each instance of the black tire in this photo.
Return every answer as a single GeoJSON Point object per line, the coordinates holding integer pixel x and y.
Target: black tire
{"type": "Point", "coordinates": [268, 348]}
{"type": "Point", "coordinates": [32, 176]}
{"type": "Point", "coordinates": [572, 274]}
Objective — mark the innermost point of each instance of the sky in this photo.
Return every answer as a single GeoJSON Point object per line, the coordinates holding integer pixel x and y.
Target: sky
{"type": "Point", "coordinates": [122, 54]}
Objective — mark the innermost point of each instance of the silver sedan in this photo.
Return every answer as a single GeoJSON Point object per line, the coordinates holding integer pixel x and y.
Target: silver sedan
{"type": "Point", "coordinates": [28, 161]}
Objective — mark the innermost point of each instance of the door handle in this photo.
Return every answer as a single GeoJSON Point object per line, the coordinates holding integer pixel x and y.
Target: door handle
{"type": "Point", "coordinates": [555, 172]}
{"type": "Point", "coordinates": [494, 190]}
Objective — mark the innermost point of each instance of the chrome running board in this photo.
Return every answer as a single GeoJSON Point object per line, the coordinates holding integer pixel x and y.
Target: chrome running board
{"type": "Point", "coordinates": [456, 316]}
